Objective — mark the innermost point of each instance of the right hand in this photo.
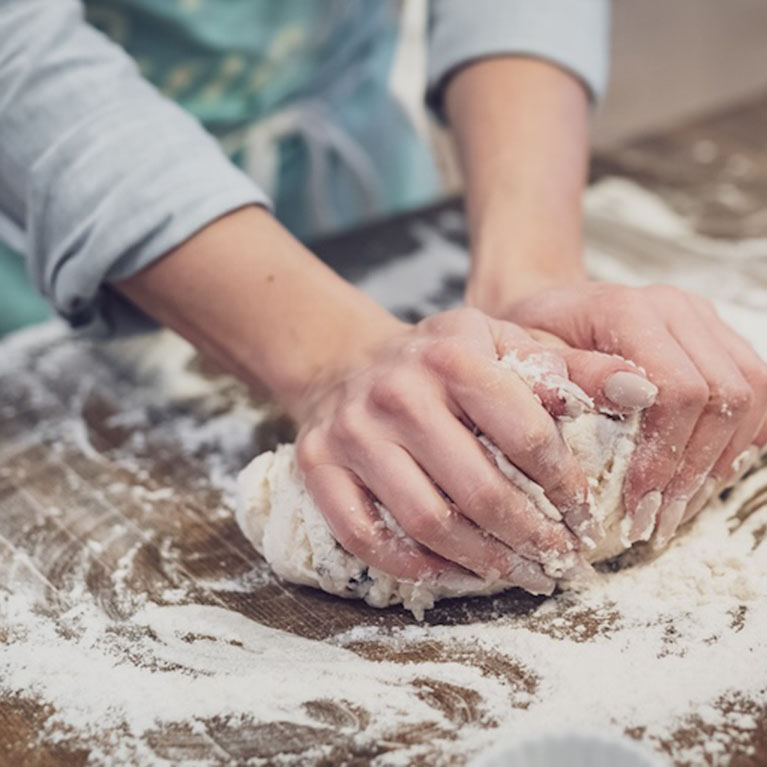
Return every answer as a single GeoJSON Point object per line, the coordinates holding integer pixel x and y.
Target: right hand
{"type": "Point", "coordinates": [398, 426]}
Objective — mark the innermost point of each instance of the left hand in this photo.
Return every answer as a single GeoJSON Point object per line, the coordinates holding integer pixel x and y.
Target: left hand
{"type": "Point", "coordinates": [712, 397]}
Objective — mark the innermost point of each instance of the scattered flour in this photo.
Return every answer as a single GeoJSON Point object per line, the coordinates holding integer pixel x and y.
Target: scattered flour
{"type": "Point", "coordinates": [675, 636]}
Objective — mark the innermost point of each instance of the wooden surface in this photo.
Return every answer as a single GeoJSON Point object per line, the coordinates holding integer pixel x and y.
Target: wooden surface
{"type": "Point", "coordinates": [89, 450]}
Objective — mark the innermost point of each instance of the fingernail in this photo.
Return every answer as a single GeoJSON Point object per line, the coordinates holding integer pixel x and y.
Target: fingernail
{"type": "Point", "coordinates": [573, 398]}
{"type": "Point", "coordinates": [590, 532]}
{"type": "Point", "coordinates": [700, 499]}
{"type": "Point", "coordinates": [670, 520]}
{"type": "Point", "coordinates": [531, 578]}
{"type": "Point", "coordinates": [643, 521]}
{"type": "Point", "coordinates": [586, 527]}
{"type": "Point", "coordinates": [630, 390]}
{"type": "Point", "coordinates": [745, 461]}
{"type": "Point", "coordinates": [556, 563]}
{"type": "Point", "coordinates": [580, 571]}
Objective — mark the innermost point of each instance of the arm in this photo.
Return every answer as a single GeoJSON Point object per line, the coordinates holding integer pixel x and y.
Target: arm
{"type": "Point", "coordinates": [521, 128]}
{"type": "Point", "coordinates": [514, 78]}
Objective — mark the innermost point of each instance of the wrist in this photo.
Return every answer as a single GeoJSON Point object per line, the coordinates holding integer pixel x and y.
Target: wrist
{"type": "Point", "coordinates": [353, 349]}
{"type": "Point", "coordinates": [509, 264]}
{"type": "Point", "coordinates": [321, 341]}
{"type": "Point", "coordinates": [526, 235]}
{"type": "Point", "coordinates": [495, 297]}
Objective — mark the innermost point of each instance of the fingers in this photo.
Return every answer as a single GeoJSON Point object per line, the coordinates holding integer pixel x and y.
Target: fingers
{"type": "Point", "coordinates": [503, 408]}
{"type": "Point", "coordinates": [706, 493]}
{"type": "Point", "coordinates": [754, 377]}
{"type": "Point", "coordinates": [713, 486]}
{"type": "Point", "coordinates": [427, 517]}
{"type": "Point", "coordinates": [611, 383]}
{"type": "Point", "coordinates": [666, 427]}
{"type": "Point", "coordinates": [712, 391]}
{"type": "Point", "coordinates": [453, 457]}
{"type": "Point", "coordinates": [729, 399]}
{"type": "Point", "coordinates": [751, 433]}
{"type": "Point", "coordinates": [358, 528]}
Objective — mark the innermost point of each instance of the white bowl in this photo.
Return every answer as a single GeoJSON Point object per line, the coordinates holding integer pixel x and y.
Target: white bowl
{"type": "Point", "coordinates": [568, 750]}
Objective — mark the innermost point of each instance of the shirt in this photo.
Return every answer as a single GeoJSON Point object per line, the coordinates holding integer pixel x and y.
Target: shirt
{"type": "Point", "coordinates": [101, 173]}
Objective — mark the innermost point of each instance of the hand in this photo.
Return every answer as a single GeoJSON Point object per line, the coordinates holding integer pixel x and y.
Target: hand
{"type": "Point", "coordinates": [399, 427]}
{"type": "Point", "coordinates": [712, 396]}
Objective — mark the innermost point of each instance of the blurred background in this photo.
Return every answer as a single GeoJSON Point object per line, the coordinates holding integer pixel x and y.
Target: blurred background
{"type": "Point", "coordinates": [671, 60]}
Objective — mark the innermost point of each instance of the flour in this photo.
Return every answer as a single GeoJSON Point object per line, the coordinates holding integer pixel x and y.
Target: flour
{"type": "Point", "coordinates": [671, 647]}
{"type": "Point", "coordinates": [191, 662]}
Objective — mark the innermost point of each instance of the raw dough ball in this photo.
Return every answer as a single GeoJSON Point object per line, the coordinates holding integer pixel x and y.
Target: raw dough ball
{"type": "Point", "coordinates": [280, 519]}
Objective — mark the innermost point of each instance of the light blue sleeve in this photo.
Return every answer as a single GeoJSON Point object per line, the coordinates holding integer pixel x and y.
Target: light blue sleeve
{"type": "Point", "coordinates": [574, 34]}
{"type": "Point", "coordinates": [99, 173]}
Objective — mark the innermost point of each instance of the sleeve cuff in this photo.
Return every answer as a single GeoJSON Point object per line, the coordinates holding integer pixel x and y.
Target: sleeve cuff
{"type": "Point", "coordinates": [95, 309]}
{"type": "Point", "coordinates": [108, 314]}
{"type": "Point", "coordinates": [574, 35]}
{"type": "Point", "coordinates": [146, 183]}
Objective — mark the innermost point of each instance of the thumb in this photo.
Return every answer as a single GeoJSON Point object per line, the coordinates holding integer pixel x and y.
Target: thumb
{"type": "Point", "coordinates": [541, 366]}
{"type": "Point", "coordinates": [616, 385]}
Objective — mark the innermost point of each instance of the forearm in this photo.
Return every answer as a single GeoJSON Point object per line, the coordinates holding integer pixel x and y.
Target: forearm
{"type": "Point", "coordinates": [250, 296]}
{"type": "Point", "coordinates": [101, 172]}
{"type": "Point", "coordinates": [521, 128]}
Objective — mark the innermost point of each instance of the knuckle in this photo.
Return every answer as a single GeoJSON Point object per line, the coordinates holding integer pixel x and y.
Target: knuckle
{"type": "Point", "coordinates": [690, 394]}
{"type": "Point", "coordinates": [549, 539]}
{"type": "Point", "coordinates": [756, 375]}
{"type": "Point", "coordinates": [482, 500]}
{"type": "Point", "coordinates": [393, 393]}
{"type": "Point", "coordinates": [607, 295]}
{"type": "Point", "coordinates": [542, 442]}
{"type": "Point", "coordinates": [608, 290]}
{"type": "Point", "coordinates": [470, 314]}
{"type": "Point", "coordinates": [348, 425]}
{"type": "Point", "coordinates": [310, 450]}
{"type": "Point", "coordinates": [624, 293]}
{"type": "Point", "coordinates": [446, 357]}
{"type": "Point", "coordinates": [740, 400]}
{"type": "Point", "coordinates": [731, 400]}
{"type": "Point", "coordinates": [664, 292]}
{"type": "Point", "coordinates": [569, 487]}
{"type": "Point", "coordinates": [462, 317]}
{"type": "Point", "coordinates": [635, 304]}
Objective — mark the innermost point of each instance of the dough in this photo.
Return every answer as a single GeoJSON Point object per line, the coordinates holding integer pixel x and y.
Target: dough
{"type": "Point", "coordinates": [280, 519]}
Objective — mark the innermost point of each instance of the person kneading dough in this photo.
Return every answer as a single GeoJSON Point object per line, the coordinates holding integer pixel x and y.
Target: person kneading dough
{"type": "Point", "coordinates": [180, 192]}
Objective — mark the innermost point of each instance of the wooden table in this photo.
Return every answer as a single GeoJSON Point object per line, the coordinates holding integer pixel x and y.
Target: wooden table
{"type": "Point", "coordinates": [88, 450]}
